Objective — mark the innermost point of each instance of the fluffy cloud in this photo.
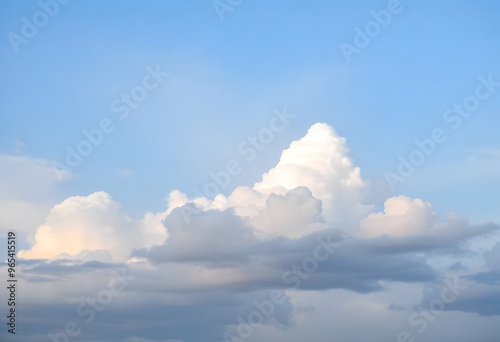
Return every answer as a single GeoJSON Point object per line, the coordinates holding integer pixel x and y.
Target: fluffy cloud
{"type": "Point", "coordinates": [92, 226]}
{"type": "Point", "coordinates": [294, 214]}
{"type": "Point", "coordinates": [317, 160]}
{"type": "Point", "coordinates": [315, 181]}
{"type": "Point", "coordinates": [320, 161]}
{"type": "Point", "coordinates": [402, 216]}
{"type": "Point", "coordinates": [208, 237]}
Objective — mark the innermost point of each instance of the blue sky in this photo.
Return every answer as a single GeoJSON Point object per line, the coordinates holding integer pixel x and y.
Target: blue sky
{"type": "Point", "coordinates": [225, 78]}
{"type": "Point", "coordinates": [235, 71]}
